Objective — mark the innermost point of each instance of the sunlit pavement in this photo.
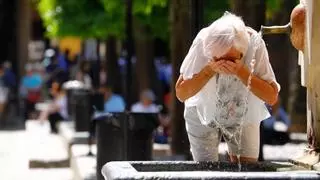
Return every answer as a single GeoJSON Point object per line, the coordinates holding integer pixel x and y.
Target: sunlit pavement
{"type": "Point", "coordinates": [14, 153]}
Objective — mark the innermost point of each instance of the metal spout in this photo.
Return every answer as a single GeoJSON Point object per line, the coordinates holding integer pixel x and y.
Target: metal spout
{"type": "Point", "coordinates": [285, 29]}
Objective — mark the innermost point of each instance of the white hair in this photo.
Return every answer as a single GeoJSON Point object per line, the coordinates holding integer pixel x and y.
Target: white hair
{"type": "Point", "coordinates": [215, 41]}
{"type": "Point", "coordinates": [226, 32]}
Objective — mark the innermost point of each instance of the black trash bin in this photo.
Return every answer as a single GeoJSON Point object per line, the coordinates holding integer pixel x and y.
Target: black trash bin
{"type": "Point", "coordinates": [82, 109]}
{"type": "Point", "coordinates": [79, 105]}
{"type": "Point", "coordinates": [69, 104]}
{"type": "Point", "coordinates": [69, 87]}
{"type": "Point", "coordinates": [124, 137]}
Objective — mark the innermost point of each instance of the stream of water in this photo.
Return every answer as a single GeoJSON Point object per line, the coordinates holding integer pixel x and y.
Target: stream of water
{"type": "Point", "coordinates": [235, 136]}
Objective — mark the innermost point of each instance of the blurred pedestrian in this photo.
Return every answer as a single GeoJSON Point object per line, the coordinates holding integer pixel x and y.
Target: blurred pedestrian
{"type": "Point", "coordinates": [113, 102]}
{"type": "Point", "coordinates": [30, 90]}
{"type": "Point", "coordinates": [57, 109]}
{"type": "Point", "coordinates": [83, 74]}
{"type": "Point", "coordinates": [146, 103]}
{"type": "Point", "coordinates": [4, 90]}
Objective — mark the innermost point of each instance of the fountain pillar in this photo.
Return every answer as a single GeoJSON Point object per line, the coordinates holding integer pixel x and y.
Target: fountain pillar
{"type": "Point", "coordinates": [309, 60]}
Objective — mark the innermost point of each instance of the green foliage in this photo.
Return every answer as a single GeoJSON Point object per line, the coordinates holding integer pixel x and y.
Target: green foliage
{"type": "Point", "coordinates": [47, 11]}
{"type": "Point", "coordinates": [273, 6]}
{"type": "Point", "coordinates": [115, 13]}
{"type": "Point", "coordinates": [153, 14]}
{"type": "Point", "coordinates": [101, 18]}
{"type": "Point", "coordinates": [214, 9]}
{"type": "Point", "coordinates": [150, 13]}
{"type": "Point", "coordinates": [82, 18]}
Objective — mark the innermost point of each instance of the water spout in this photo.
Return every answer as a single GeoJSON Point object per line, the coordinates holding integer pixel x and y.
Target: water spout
{"type": "Point", "coordinates": [285, 29]}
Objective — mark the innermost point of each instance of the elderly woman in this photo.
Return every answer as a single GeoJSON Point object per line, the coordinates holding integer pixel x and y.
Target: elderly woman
{"type": "Point", "coordinates": [225, 80]}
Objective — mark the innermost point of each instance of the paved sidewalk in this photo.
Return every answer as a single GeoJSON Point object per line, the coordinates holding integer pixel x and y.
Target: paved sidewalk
{"type": "Point", "coordinates": [13, 155]}
{"type": "Point", "coordinates": [14, 160]}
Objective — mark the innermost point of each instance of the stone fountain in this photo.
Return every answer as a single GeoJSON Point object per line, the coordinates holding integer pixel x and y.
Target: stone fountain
{"type": "Point", "coordinates": [304, 31]}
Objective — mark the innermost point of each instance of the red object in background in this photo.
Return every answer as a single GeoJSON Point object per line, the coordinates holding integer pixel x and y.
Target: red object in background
{"type": "Point", "coordinates": [34, 96]}
{"type": "Point", "coordinates": [167, 99]}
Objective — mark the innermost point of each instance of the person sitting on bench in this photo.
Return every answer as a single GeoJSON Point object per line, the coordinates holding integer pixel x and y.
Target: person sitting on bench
{"type": "Point", "coordinates": [57, 110]}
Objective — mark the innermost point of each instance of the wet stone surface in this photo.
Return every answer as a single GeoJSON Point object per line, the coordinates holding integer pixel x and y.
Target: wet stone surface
{"type": "Point", "coordinates": [204, 170]}
{"type": "Point", "coordinates": [202, 166]}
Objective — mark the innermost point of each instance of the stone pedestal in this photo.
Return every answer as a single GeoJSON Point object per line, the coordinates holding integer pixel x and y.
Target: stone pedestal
{"type": "Point", "coordinates": [310, 65]}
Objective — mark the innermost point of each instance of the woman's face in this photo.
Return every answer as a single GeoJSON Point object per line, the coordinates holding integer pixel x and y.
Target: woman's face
{"type": "Point", "coordinates": [232, 55]}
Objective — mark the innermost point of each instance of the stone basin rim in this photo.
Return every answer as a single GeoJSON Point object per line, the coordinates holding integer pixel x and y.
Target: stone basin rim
{"type": "Point", "coordinates": [125, 170]}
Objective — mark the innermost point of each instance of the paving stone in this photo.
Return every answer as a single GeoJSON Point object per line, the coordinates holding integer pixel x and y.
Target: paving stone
{"type": "Point", "coordinates": [49, 174]}
{"type": "Point", "coordinates": [67, 131]}
{"type": "Point", "coordinates": [13, 154]}
{"type": "Point", "coordinates": [48, 150]}
{"type": "Point", "coordinates": [317, 167]}
{"type": "Point", "coordinates": [82, 165]}
{"type": "Point", "coordinates": [14, 159]}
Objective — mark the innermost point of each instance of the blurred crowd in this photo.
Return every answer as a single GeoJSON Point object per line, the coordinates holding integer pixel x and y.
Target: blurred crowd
{"type": "Point", "coordinates": [43, 83]}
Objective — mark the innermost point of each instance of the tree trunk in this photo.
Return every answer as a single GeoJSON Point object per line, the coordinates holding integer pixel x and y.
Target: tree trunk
{"type": "Point", "coordinates": [23, 20]}
{"type": "Point", "coordinates": [113, 70]}
{"type": "Point", "coordinates": [252, 12]}
{"type": "Point", "coordinates": [180, 43]}
{"type": "Point", "coordinates": [8, 32]}
{"type": "Point", "coordinates": [145, 67]}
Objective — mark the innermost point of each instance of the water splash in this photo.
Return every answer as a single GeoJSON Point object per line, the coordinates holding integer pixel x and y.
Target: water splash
{"type": "Point", "coordinates": [231, 109]}
{"type": "Point", "coordinates": [252, 65]}
{"type": "Point", "coordinates": [239, 163]}
{"type": "Point", "coordinates": [236, 136]}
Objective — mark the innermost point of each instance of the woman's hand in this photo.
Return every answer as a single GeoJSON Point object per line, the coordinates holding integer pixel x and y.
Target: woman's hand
{"type": "Point", "coordinates": [216, 66]}
{"type": "Point", "coordinates": [231, 67]}
{"type": "Point", "coordinates": [186, 88]}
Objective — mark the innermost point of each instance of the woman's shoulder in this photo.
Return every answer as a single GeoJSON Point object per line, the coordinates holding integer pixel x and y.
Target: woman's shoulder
{"type": "Point", "coordinates": [202, 34]}
{"type": "Point", "coordinates": [251, 31]}
{"type": "Point", "coordinates": [255, 36]}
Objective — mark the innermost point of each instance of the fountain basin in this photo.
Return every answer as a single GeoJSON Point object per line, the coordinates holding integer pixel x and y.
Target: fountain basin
{"type": "Point", "coordinates": [203, 170]}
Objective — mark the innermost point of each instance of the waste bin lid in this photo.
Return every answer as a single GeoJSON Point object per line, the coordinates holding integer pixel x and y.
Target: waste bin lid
{"type": "Point", "coordinates": [74, 85]}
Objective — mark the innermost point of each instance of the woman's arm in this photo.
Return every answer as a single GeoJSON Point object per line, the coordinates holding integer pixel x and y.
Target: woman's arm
{"type": "Point", "coordinates": [268, 92]}
{"type": "Point", "coordinates": [188, 88]}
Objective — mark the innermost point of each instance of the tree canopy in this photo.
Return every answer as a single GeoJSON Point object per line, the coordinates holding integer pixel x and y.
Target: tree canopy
{"type": "Point", "coordinates": [82, 18]}
{"type": "Point", "coordinates": [100, 18]}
